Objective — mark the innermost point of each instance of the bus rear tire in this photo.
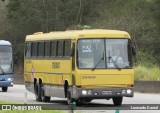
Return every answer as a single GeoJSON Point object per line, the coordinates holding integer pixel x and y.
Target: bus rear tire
{"type": "Point", "coordinates": [117, 101]}
{"type": "Point", "coordinates": [40, 92]}
{"type": "Point", "coordinates": [43, 96]}
{"type": "Point", "coordinates": [4, 89]}
{"type": "Point", "coordinates": [36, 91]}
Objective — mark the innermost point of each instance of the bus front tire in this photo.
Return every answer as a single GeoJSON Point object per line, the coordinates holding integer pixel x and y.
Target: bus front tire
{"type": "Point", "coordinates": [43, 96]}
{"type": "Point", "coordinates": [4, 89]}
{"type": "Point", "coordinates": [88, 100]}
{"type": "Point", "coordinates": [69, 99]}
{"type": "Point", "coordinates": [117, 101]}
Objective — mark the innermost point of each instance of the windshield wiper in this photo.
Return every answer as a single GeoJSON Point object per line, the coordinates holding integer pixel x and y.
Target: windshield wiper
{"type": "Point", "coordinates": [2, 70]}
{"type": "Point", "coordinates": [114, 62]}
{"type": "Point", "coordinates": [98, 63]}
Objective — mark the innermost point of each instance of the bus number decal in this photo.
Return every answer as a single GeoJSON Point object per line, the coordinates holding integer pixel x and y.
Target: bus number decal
{"type": "Point", "coordinates": [55, 64]}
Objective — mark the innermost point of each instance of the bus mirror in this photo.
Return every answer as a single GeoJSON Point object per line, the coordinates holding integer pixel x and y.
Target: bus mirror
{"type": "Point", "coordinates": [133, 50]}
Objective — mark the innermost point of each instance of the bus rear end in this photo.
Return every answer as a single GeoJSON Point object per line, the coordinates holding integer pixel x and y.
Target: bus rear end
{"type": "Point", "coordinates": [104, 69]}
{"type": "Point", "coordinates": [6, 65]}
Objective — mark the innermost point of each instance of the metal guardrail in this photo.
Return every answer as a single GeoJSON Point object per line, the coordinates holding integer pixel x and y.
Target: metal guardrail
{"type": "Point", "coordinates": [147, 86]}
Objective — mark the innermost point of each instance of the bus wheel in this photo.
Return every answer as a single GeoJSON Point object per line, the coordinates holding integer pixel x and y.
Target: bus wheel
{"type": "Point", "coordinates": [117, 101]}
{"type": "Point", "coordinates": [4, 89]}
{"type": "Point", "coordinates": [36, 91]}
{"type": "Point", "coordinates": [44, 97]}
{"type": "Point", "coordinates": [39, 92]}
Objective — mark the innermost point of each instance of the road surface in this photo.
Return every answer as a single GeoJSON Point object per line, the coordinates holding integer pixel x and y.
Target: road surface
{"type": "Point", "coordinates": [17, 94]}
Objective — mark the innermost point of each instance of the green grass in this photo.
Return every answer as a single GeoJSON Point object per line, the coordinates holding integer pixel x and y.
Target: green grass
{"type": "Point", "coordinates": [38, 111]}
{"type": "Point", "coordinates": [4, 102]}
{"type": "Point", "coordinates": [145, 73]}
{"type": "Point", "coordinates": [30, 111]}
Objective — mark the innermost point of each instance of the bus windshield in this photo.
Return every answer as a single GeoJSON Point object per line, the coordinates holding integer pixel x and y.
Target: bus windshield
{"type": "Point", "coordinates": [104, 53]}
{"type": "Point", "coordinates": [5, 60]}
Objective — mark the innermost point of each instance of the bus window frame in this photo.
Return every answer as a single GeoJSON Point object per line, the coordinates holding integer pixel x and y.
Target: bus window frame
{"type": "Point", "coordinates": [45, 43]}
{"type": "Point", "coordinates": [51, 56]}
{"type": "Point", "coordinates": [26, 56]}
{"type": "Point", "coordinates": [64, 46]}
{"type": "Point", "coordinates": [62, 54]}
{"type": "Point", "coordinates": [77, 63]}
{"type": "Point", "coordinates": [56, 57]}
{"type": "Point", "coordinates": [32, 50]}
{"type": "Point", "coordinates": [12, 62]}
{"type": "Point", "coordinates": [40, 56]}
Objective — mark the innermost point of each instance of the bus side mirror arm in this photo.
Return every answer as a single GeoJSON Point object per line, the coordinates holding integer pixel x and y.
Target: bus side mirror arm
{"type": "Point", "coordinates": [134, 50]}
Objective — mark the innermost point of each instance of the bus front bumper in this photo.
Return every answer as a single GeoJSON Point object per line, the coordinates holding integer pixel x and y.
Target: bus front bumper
{"type": "Point", "coordinates": [6, 83]}
{"type": "Point", "coordinates": [6, 80]}
{"type": "Point", "coordinates": [101, 93]}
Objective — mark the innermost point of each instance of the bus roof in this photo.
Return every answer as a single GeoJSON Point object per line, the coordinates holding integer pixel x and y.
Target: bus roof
{"type": "Point", "coordinates": [4, 42]}
{"type": "Point", "coordinates": [76, 34]}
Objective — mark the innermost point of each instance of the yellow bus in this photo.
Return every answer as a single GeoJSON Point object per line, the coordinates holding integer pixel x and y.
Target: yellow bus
{"type": "Point", "coordinates": [80, 65]}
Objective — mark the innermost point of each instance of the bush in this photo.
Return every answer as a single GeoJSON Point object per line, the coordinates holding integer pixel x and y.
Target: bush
{"type": "Point", "coordinates": [146, 59]}
{"type": "Point", "coordinates": [146, 73]}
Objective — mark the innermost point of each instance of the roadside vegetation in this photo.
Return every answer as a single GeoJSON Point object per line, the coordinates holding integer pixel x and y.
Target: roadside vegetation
{"type": "Point", "coordinates": [147, 73]}
{"type": "Point", "coordinates": [146, 67]}
{"type": "Point", "coordinates": [138, 17]}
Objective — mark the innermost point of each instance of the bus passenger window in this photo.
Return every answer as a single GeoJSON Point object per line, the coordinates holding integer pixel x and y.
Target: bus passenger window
{"type": "Point", "coordinates": [47, 48]}
{"type": "Point", "coordinates": [60, 48]}
{"type": "Point", "coordinates": [54, 49]}
{"type": "Point", "coordinates": [41, 49]}
{"type": "Point", "coordinates": [34, 49]}
{"type": "Point", "coordinates": [28, 50]}
{"type": "Point", "coordinates": [67, 48]}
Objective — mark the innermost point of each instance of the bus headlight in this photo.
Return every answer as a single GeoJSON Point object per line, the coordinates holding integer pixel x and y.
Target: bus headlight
{"type": "Point", "coordinates": [129, 91]}
{"type": "Point", "coordinates": [9, 79]}
{"type": "Point", "coordinates": [84, 92]}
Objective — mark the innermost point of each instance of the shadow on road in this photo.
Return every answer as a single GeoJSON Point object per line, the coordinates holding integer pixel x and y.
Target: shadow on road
{"type": "Point", "coordinates": [88, 106]}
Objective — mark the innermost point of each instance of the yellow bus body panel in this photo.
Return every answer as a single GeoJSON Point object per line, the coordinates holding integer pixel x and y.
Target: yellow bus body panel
{"type": "Point", "coordinates": [105, 77]}
{"type": "Point", "coordinates": [44, 69]}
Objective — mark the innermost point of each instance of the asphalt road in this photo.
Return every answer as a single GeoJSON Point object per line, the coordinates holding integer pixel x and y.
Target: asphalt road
{"type": "Point", "coordinates": [17, 94]}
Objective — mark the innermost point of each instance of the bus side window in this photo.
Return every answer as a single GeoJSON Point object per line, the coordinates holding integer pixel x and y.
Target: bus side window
{"type": "Point", "coordinates": [28, 50]}
{"type": "Point", "coordinates": [60, 48]}
{"type": "Point", "coordinates": [67, 48]}
{"type": "Point", "coordinates": [41, 49]}
{"type": "Point", "coordinates": [47, 49]}
{"type": "Point", "coordinates": [34, 49]}
{"type": "Point", "coordinates": [54, 49]}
